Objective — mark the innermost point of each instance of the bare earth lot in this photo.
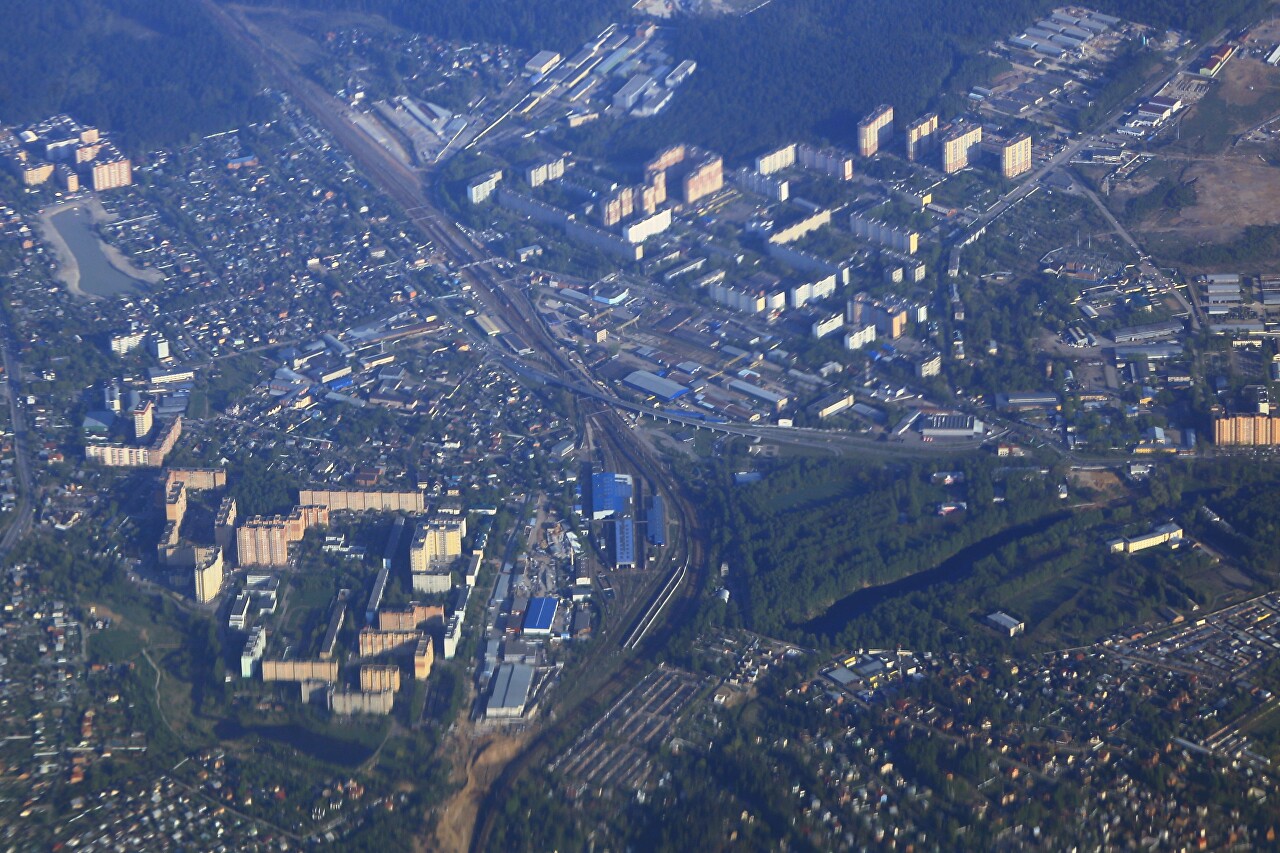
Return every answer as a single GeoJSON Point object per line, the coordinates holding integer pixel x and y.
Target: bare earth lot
{"type": "Point", "coordinates": [1236, 184]}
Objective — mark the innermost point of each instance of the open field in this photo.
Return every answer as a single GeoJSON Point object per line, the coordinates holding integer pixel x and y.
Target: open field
{"type": "Point", "coordinates": [1234, 178]}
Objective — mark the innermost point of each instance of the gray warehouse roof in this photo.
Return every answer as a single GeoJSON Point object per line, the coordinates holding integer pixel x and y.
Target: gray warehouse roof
{"type": "Point", "coordinates": [510, 688]}
{"type": "Point", "coordinates": [654, 385]}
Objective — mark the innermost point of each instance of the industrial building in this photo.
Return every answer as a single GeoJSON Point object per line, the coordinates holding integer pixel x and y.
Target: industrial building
{"type": "Point", "coordinates": [1005, 624]}
{"type": "Point", "coordinates": [656, 522]}
{"type": "Point", "coordinates": [1027, 400]}
{"type": "Point", "coordinates": [633, 91]}
{"type": "Point", "coordinates": [654, 386]}
{"type": "Point", "coordinates": [832, 405]}
{"type": "Point", "coordinates": [539, 616]}
{"type": "Point", "coordinates": [542, 62]}
{"type": "Point", "coordinates": [875, 131]}
{"type": "Point", "coordinates": [1151, 332]}
{"type": "Point", "coordinates": [610, 494]}
{"type": "Point", "coordinates": [510, 693]}
{"type": "Point", "coordinates": [624, 544]}
{"type": "Point", "coordinates": [778, 402]}
{"type": "Point", "coordinates": [942, 425]}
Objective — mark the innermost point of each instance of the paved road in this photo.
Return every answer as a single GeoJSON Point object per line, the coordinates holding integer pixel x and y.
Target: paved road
{"type": "Point", "coordinates": [1072, 148]}
{"type": "Point", "coordinates": [1146, 268]}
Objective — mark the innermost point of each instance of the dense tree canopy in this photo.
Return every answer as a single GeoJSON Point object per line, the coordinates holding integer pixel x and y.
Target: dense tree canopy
{"type": "Point", "coordinates": [157, 73]}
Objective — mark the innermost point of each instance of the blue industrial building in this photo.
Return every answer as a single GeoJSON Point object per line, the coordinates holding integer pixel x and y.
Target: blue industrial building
{"type": "Point", "coordinates": [656, 529]}
{"type": "Point", "coordinates": [624, 544]}
{"type": "Point", "coordinates": [610, 494]}
{"type": "Point", "coordinates": [538, 616]}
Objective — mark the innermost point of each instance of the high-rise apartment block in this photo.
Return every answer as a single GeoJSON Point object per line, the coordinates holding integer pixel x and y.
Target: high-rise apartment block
{"type": "Point", "coordinates": [828, 161]}
{"type": "Point", "coordinates": [437, 543]}
{"type": "Point", "coordinates": [875, 130]}
{"type": "Point", "coordinates": [1015, 156]}
{"type": "Point", "coordinates": [111, 173]}
{"type": "Point", "coordinates": [960, 147]}
{"type": "Point", "coordinates": [144, 419]}
{"type": "Point", "coordinates": [700, 172]}
{"type": "Point", "coordinates": [1246, 430]}
{"type": "Point", "coordinates": [540, 173]}
{"type": "Point", "coordinates": [208, 578]}
{"type": "Point", "coordinates": [617, 206]}
{"type": "Point", "coordinates": [703, 179]}
{"type": "Point", "coordinates": [484, 186]}
{"type": "Point", "coordinates": [134, 456]}
{"type": "Point", "coordinates": [265, 540]}
{"type": "Point", "coordinates": [776, 161]}
{"type": "Point", "coordinates": [921, 135]}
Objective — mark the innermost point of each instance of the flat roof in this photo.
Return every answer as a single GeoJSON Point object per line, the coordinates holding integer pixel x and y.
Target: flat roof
{"type": "Point", "coordinates": [511, 687]}
{"type": "Point", "coordinates": [624, 540]}
{"type": "Point", "coordinates": [539, 613]}
{"type": "Point", "coordinates": [657, 521]}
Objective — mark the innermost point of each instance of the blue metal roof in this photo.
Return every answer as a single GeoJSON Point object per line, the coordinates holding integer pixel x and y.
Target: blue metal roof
{"type": "Point", "coordinates": [656, 529]}
{"type": "Point", "coordinates": [624, 541]}
{"type": "Point", "coordinates": [610, 494]}
{"type": "Point", "coordinates": [604, 496]}
{"type": "Point", "coordinates": [539, 613]}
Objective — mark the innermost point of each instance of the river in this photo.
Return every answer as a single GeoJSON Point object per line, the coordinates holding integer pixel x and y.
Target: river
{"type": "Point", "coordinates": [956, 568]}
{"type": "Point", "coordinates": [97, 276]}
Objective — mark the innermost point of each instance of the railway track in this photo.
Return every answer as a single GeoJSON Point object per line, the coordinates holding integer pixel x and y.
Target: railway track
{"type": "Point", "coordinates": [672, 597]}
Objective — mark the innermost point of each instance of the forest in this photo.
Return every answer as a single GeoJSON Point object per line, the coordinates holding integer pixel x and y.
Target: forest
{"type": "Point", "coordinates": [530, 24]}
{"type": "Point", "coordinates": [160, 74]}
{"type": "Point", "coordinates": [155, 74]}
{"type": "Point", "coordinates": [812, 68]}
{"type": "Point", "coordinates": [825, 553]}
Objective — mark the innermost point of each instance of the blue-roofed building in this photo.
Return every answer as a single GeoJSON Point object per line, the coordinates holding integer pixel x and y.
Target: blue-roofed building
{"type": "Point", "coordinates": [624, 544]}
{"type": "Point", "coordinates": [657, 521]}
{"type": "Point", "coordinates": [538, 616]}
{"type": "Point", "coordinates": [610, 494]}
{"type": "Point", "coordinates": [603, 495]}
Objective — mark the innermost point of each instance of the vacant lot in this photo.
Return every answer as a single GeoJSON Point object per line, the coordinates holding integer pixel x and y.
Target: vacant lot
{"type": "Point", "coordinates": [1235, 182]}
